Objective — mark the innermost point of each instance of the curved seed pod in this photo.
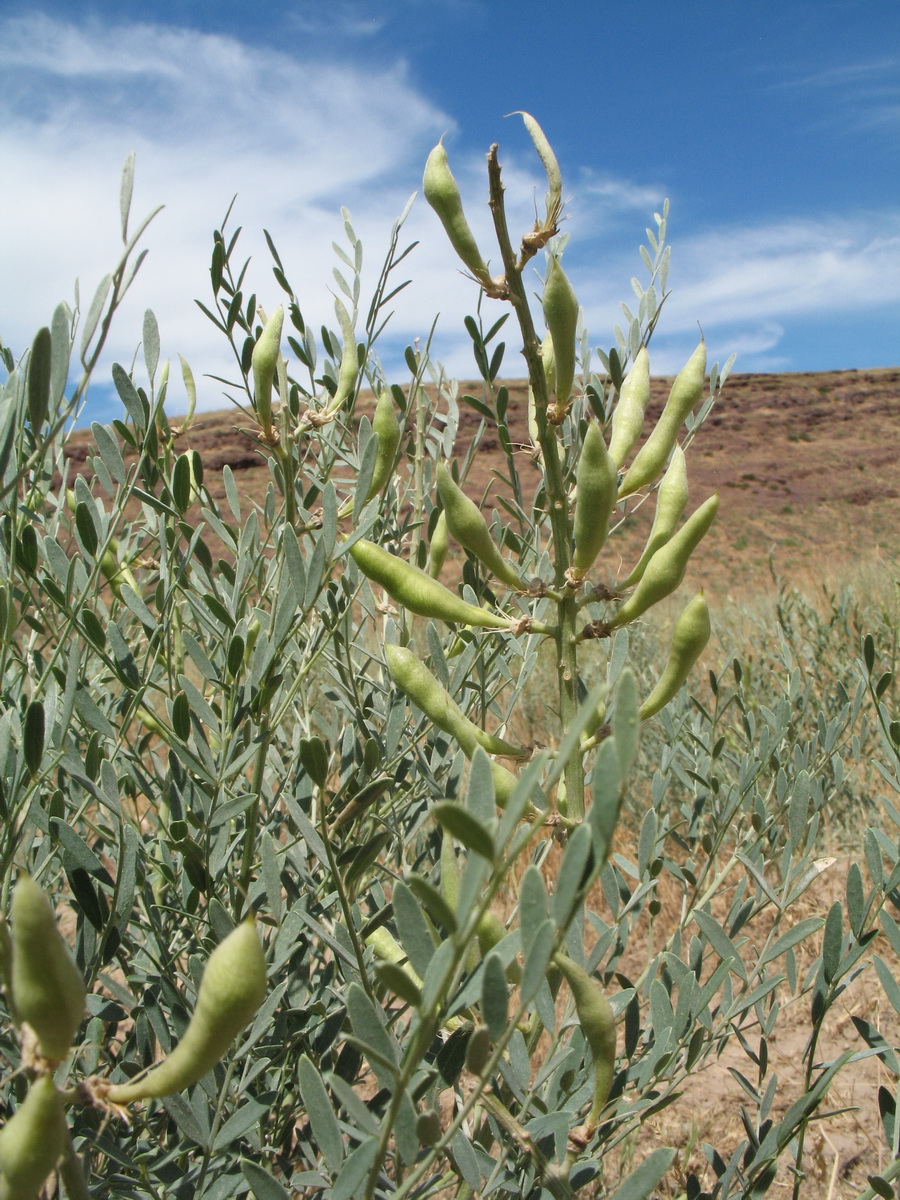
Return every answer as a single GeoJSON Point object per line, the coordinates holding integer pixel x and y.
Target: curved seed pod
{"type": "Point", "coordinates": [686, 391]}
{"type": "Point", "coordinates": [598, 1026]}
{"type": "Point", "coordinates": [117, 573]}
{"type": "Point", "coordinates": [32, 1141]}
{"type": "Point", "coordinates": [231, 990]}
{"type": "Point", "coordinates": [666, 568]}
{"type": "Point", "coordinates": [689, 638]}
{"type": "Point", "coordinates": [438, 546]}
{"type": "Point", "coordinates": [628, 415]}
{"type": "Point", "coordinates": [596, 479]}
{"type": "Point", "coordinates": [389, 950]}
{"type": "Point", "coordinates": [417, 591]}
{"type": "Point", "coordinates": [416, 681]}
{"type": "Point", "coordinates": [47, 987]}
{"type": "Point", "coordinates": [443, 195]}
{"type": "Point", "coordinates": [467, 523]}
{"type": "Point", "coordinates": [554, 176]}
{"type": "Point", "coordinates": [386, 428]}
{"type": "Point", "coordinates": [670, 504]}
{"type": "Point", "coordinates": [560, 306]}
{"type": "Point", "coordinates": [264, 361]}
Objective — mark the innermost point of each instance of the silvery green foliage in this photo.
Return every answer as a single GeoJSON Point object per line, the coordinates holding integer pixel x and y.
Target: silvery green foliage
{"type": "Point", "coordinates": [196, 721]}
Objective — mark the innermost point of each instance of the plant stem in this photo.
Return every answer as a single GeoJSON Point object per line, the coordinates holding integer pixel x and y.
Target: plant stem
{"type": "Point", "coordinates": [560, 523]}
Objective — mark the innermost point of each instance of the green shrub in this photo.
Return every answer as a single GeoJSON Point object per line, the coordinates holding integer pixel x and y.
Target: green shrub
{"type": "Point", "coordinates": [199, 722]}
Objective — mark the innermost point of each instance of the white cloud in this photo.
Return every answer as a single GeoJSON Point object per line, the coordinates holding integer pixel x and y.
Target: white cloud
{"type": "Point", "coordinates": [745, 285]}
{"type": "Point", "coordinates": [208, 117]}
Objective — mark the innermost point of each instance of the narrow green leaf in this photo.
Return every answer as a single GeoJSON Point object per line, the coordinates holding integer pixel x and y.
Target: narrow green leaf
{"type": "Point", "coordinates": [59, 359]}
{"type": "Point", "coordinates": [39, 376]}
{"type": "Point", "coordinates": [356, 1166]}
{"type": "Point", "coordinates": [126, 190]}
{"type": "Point", "coordinates": [412, 929]}
{"type": "Point", "coordinates": [626, 724]}
{"type": "Point", "coordinates": [607, 798]}
{"type": "Point", "coordinates": [537, 959]}
{"type": "Point", "coordinates": [271, 873]}
{"type": "Point", "coordinates": [799, 932]}
{"type": "Point", "coordinates": [368, 1025]}
{"type": "Point", "coordinates": [494, 995]}
{"type": "Point", "coordinates": [831, 941]}
{"type": "Point", "coordinates": [33, 736]}
{"type": "Point", "coordinates": [263, 1185]}
{"type": "Point", "coordinates": [94, 313]}
{"type": "Point", "coordinates": [326, 1130]}
{"type": "Point", "coordinates": [239, 1123]}
{"type": "Point", "coordinates": [396, 980]}
{"type": "Point", "coordinates": [720, 941]}
{"type": "Point", "coordinates": [405, 1129]}
{"type": "Point", "coordinates": [108, 449]}
{"type": "Point", "coordinates": [150, 342]}
{"type": "Point", "coordinates": [532, 904]}
{"type": "Point", "coordinates": [641, 1182]}
{"type": "Point", "coordinates": [856, 899]}
{"type": "Point", "coordinates": [434, 903]}
{"type": "Point", "coordinates": [888, 982]}
{"type": "Point", "coordinates": [85, 523]}
{"type": "Point", "coordinates": [574, 874]}
{"type": "Point", "coordinates": [480, 792]}
{"type": "Point", "coordinates": [460, 824]}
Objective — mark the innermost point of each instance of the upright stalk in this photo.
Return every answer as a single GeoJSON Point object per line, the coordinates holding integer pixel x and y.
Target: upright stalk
{"type": "Point", "coordinates": [560, 522]}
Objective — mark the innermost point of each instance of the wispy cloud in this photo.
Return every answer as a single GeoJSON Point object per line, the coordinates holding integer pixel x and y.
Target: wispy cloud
{"type": "Point", "coordinates": [745, 285]}
{"type": "Point", "coordinates": [869, 91]}
{"type": "Point", "coordinates": [295, 138]}
{"type": "Point", "coordinates": [208, 117]}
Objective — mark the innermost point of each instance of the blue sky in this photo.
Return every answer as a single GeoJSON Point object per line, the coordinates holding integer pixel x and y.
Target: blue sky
{"type": "Point", "coordinates": [773, 128]}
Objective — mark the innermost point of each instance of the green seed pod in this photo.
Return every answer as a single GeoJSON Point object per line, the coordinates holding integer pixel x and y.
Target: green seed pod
{"type": "Point", "coordinates": [32, 1141]}
{"type": "Point", "coordinates": [561, 314]}
{"type": "Point", "coordinates": [47, 987]}
{"type": "Point", "coordinates": [467, 524]}
{"type": "Point", "coordinates": [492, 931]}
{"type": "Point", "coordinates": [551, 166]}
{"type": "Point", "coordinates": [666, 568]}
{"type": "Point", "coordinates": [264, 361]}
{"type": "Point", "coordinates": [628, 415]}
{"type": "Point", "coordinates": [438, 546]}
{"type": "Point", "coordinates": [670, 504]}
{"type": "Point", "coordinates": [417, 591]}
{"type": "Point", "coordinates": [652, 457]}
{"type": "Point", "coordinates": [115, 572]}
{"type": "Point", "coordinates": [231, 990]}
{"type": "Point", "coordinates": [689, 638]}
{"type": "Point", "coordinates": [416, 681]}
{"type": "Point", "coordinates": [443, 195]}
{"type": "Point", "coordinates": [598, 1025]}
{"type": "Point", "coordinates": [596, 479]}
{"type": "Point", "coordinates": [386, 428]}
{"type": "Point", "coordinates": [686, 391]}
